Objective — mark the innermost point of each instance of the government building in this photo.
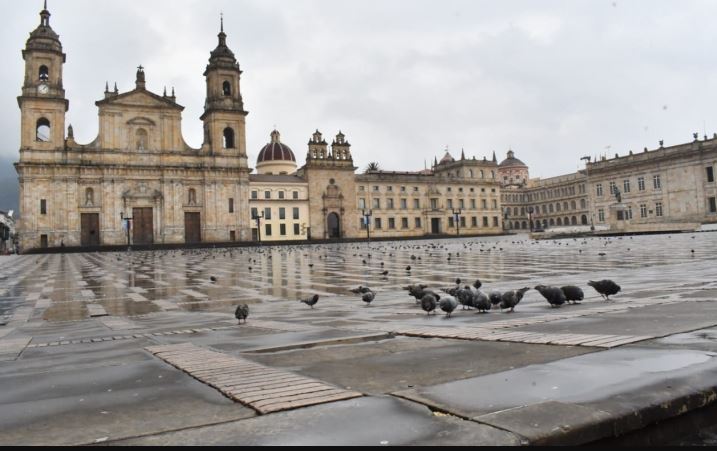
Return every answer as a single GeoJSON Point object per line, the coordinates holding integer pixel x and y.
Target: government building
{"type": "Point", "coordinates": [139, 183]}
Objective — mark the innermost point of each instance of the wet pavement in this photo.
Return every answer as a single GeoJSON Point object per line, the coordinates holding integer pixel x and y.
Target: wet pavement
{"type": "Point", "coordinates": [77, 325]}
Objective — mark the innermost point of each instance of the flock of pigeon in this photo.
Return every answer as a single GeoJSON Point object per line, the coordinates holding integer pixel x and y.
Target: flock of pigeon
{"type": "Point", "coordinates": [471, 296]}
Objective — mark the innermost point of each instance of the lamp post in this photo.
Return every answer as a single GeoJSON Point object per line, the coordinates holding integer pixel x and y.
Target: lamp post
{"type": "Point", "coordinates": [127, 225]}
{"type": "Point", "coordinates": [530, 218]}
{"type": "Point", "coordinates": [456, 219]}
{"type": "Point", "coordinates": [589, 193]}
{"type": "Point", "coordinates": [367, 221]}
{"type": "Point", "coordinates": [258, 218]}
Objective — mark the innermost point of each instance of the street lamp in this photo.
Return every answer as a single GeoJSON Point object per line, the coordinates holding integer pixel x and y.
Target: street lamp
{"type": "Point", "coordinates": [367, 221]}
{"type": "Point", "coordinates": [530, 218]}
{"type": "Point", "coordinates": [127, 224]}
{"type": "Point", "coordinates": [589, 193]}
{"type": "Point", "coordinates": [258, 218]}
{"type": "Point", "coordinates": [456, 219]}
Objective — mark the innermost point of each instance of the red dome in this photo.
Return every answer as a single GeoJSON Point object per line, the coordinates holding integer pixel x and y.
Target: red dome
{"type": "Point", "coordinates": [275, 151]}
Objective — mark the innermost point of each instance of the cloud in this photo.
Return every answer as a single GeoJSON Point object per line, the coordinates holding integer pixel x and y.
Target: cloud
{"type": "Point", "coordinates": [554, 80]}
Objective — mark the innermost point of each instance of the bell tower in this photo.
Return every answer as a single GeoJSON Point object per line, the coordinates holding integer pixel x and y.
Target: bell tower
{"type": "Point", "coordinates": [224, 116]}
{"type": "Point", "coordinates": [43, 104]}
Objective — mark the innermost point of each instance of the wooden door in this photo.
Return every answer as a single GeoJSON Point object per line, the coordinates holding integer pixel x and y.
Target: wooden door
{"type": "Point", "coordinates": [192, 228]}
{"type": "Point", "coordinates": [435, 226]}
{"type": "Point", "coordinates": [142, 226]}
{"type": "Point", "coordinates": [90, 229]}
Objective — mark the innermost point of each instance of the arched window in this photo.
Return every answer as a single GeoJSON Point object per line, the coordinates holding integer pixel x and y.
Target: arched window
{"type": "Point", "coordinates": [583, 204]}
{"type": "Point", "coordinates": [44, 74]}
{"type": "Point", "coordinates": [228, 138]}
{"type": "Point", "coordinates": [573, 205]}
{"type": "Point", "coordinates": [552, 221]}
{"type": "Point", "coordinates": [42, 130]}
{"type": "Point", "coordinates": [89, 197]}
{"type": "Point", "coordinates": [141, 138]}
{"type": "Point", "coordinates": [192, 196]}
{"type": "Point", "coordinates": [584, 220]}
{"type": "Point", "coordinates": [560, 222]}
{"type": "Point", "coordinates": [227, 88]}
{"type": "Point", "coordinates": [470, 171]}
{"type": "Point", "coordinates": [574, 220]}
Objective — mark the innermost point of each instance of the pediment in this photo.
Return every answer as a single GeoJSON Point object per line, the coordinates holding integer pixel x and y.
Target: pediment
{"type": "Point", "coordinates": [139, 120]}
{"type": "Point", "coordinates": [140, 98]}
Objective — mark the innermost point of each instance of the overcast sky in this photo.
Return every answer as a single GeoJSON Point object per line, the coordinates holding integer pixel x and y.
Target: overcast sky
{"type": "Point", "coordinates": [403, 79]}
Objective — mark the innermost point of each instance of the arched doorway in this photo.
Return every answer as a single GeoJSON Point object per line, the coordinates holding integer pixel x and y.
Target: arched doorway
{"type": "Point", "coordinates": [332, 226]}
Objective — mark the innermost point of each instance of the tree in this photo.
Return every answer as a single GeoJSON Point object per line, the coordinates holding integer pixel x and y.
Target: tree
{"type": "Point", "coordinates": [372, 167]}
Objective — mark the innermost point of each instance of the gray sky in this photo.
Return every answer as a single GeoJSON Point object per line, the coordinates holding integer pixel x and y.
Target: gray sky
{"type": "Point", "coordinates": [553, 79]}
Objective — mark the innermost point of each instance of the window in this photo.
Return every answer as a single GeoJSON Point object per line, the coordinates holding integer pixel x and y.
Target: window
{"type": "Point", "coordinates": [375, 188]}
{"type": "Point", "coordinates": [449, 189]}
{"type": "Point", "coordinates": [418, 223]}
{"type": "Point", "coordinates": [463, 221]}
{"type": "Point", "coordinates": [643, 210]}
{"type": "Point", "coordinates": [404, 204]}
{"type": "Point", "coordinates": [42, 130]}
{"type": "Point", "coordinates": [362, 203]}
{"type": "Point", "coordinates": [461, 203]}
{"type": "Point", "coordinates": [227, 88]}
{"type": "Point", "coordinates": [415, 189]}
{"type": "Point", "coordinates": [495, 221]}
{"type": "Point", "coordinates": [599, 189]}
{"type": "Point", "coordinates": [362, 188]}
{"type": "Point", "coordinates": [231, 205]}
{"type": "Point", "coordinates": [267, 213]}
{"type": "Point", "coordinates": [389, 188]}
{"type": "Point", "coordinates": [710, 174]}
{"type": "Point", "coordinates": [192, 196]}
{"type": "Point", "coordinates": [628, 212]}
{"type": "Point", "coordinates": [658, 209]}
{"type": "Point", "coordinates": [281, 194]}
{"type": "Point", "coordinates": [254, 213]}
{"type": "Point", "coordinates": [557, 206]}
{"type": "Point", "coordinates": [473, 204]}
{"type": "Point", "coordinates": [713, 204]}
{"type": "Point", "coordinates": [377, 204]}
{"type": "Point", "coordinates": [583, 203]}
{"type": "Point", "coordinates": [296, 195]}
{"type": "Point", "coordinates": [416, 204]}
{"type": "Point", "coordinates": [656, 182]}
{"type": "Point", "coordinates": [495, 204]}
{"type": "Point", "coordinates": [228, 142]}
{"type": "Point", "coordinates": [626, 186]}
{"type": "Point", "coordinates": [450, 222]}
{"type": "Point", "coordinates": [601, 215]}
{"type": "Point", "coordinates": [267, 194]}
{"type": "Point", "coordinates": [404, 223]}
{"type": "Point", "coordinates": [403, 189]}
{"type": "Point", "coordinates": [297, 231]}
{"type": "Point", "coordinates": [474, 221]}
{"type": "Point", "coordinates": [282, 229]}
{"type": "Point", "coordinates": [296, 213]}
{"type": "Point", "coordinates": [43, 206]}
{"type": "Point", "coordinates": [89, 197]}
{"type": "Point", "coordinates": [485, 221]}
{"type": "Point", "coordinates": [641, 183]}
{"type": "Point", "coordinates": [254, 195]}
{"type": "Point", "coordinates": [267, 229]}
{"type": "Point", "coordinates": [44, 73]}
{"type": "Point", "coordinates": [391, 223]}
{"type": "Point", "coordinates": [484, 204]}
{"type": "Point", "coordinates": [612, 188]}
{"type": "Point", "coordinates": [434, 204]}
{"type": "Point", "coordinates": [389, 204]}
{"type": "Point", "coordinates": [377, 223]}
{"type": "Point", "coordinates": [282, 213]}
{"type": "Point", "coordinates": [450, 203]}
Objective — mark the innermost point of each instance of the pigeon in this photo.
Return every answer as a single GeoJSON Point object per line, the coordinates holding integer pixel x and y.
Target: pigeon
{"type": "Point", "coordinates": [408, 268]}
{"type": "Point", "coordinates": [605, 288]}
{"type": "Point", "coordinates": [477, 284]}
{"type": "Point", "coordinates": [428, 303]}
{"type": "Point", "coordinates": [495, 297]}
{"type": "Point", "coordinates": [213, 279]}
{"type": "Point", "coordinates": [573, 294]}
{"type": "Point", "coordinates": [242, 312]}
{"type": "Point", "coordinates": [481, 301]}
{"type": "Point", "coordinates": [310, 301]}
{"type": "Point", "coordinates": [511, 298]}
{"type": "Point", "coordinates": [368, 297]}
{"type": "Point", "coordinates": [384, 274]}
{"type": "Point", "coordinates": [360, 290]}
{"type": "Point", "coordinates": [448, 304]}
{"type": "Point", "coordinates": [464, 296]}
{"type": "Point", "coordinates": [553, 295]}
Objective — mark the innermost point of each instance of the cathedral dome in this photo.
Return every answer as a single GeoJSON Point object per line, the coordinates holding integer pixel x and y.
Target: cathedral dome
{"type": "Point", "coordinates": [511, 161]}
{"type": "Point", "coordinates": [276, 157]}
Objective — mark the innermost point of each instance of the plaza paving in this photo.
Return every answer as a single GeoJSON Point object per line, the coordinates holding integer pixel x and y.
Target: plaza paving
{"type": "Point", "coordinates": [143, 348]}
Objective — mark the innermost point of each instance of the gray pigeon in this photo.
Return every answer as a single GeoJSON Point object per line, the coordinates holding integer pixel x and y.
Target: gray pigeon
{"type": "Point", "coordinates": [242, 312]}
{"type": "Point", "coordinates": [481, 301]}
{"type": "Point", "coordinates": [511, 298]}
{"type": "Point", "coordinates": [553, 295]}
{"type": "Point", "coordinates": [310, 301]}
{"type": "Point", "coordinates": [605, 288]}
{"type": "Point", "coordinates": [495, 297]}
{"type": "Point", "coordinates": [573, 294]}
{"type": "Point", "coordinates": [448, 304]}
{"type": "Point", "coordinates": [428, 303]}
{"type": "Point", "coordinates": [368, 297]}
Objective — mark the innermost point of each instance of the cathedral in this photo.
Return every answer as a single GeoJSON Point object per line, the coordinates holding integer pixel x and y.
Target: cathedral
{"type": "Point", "coordinates": [139, 183]}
